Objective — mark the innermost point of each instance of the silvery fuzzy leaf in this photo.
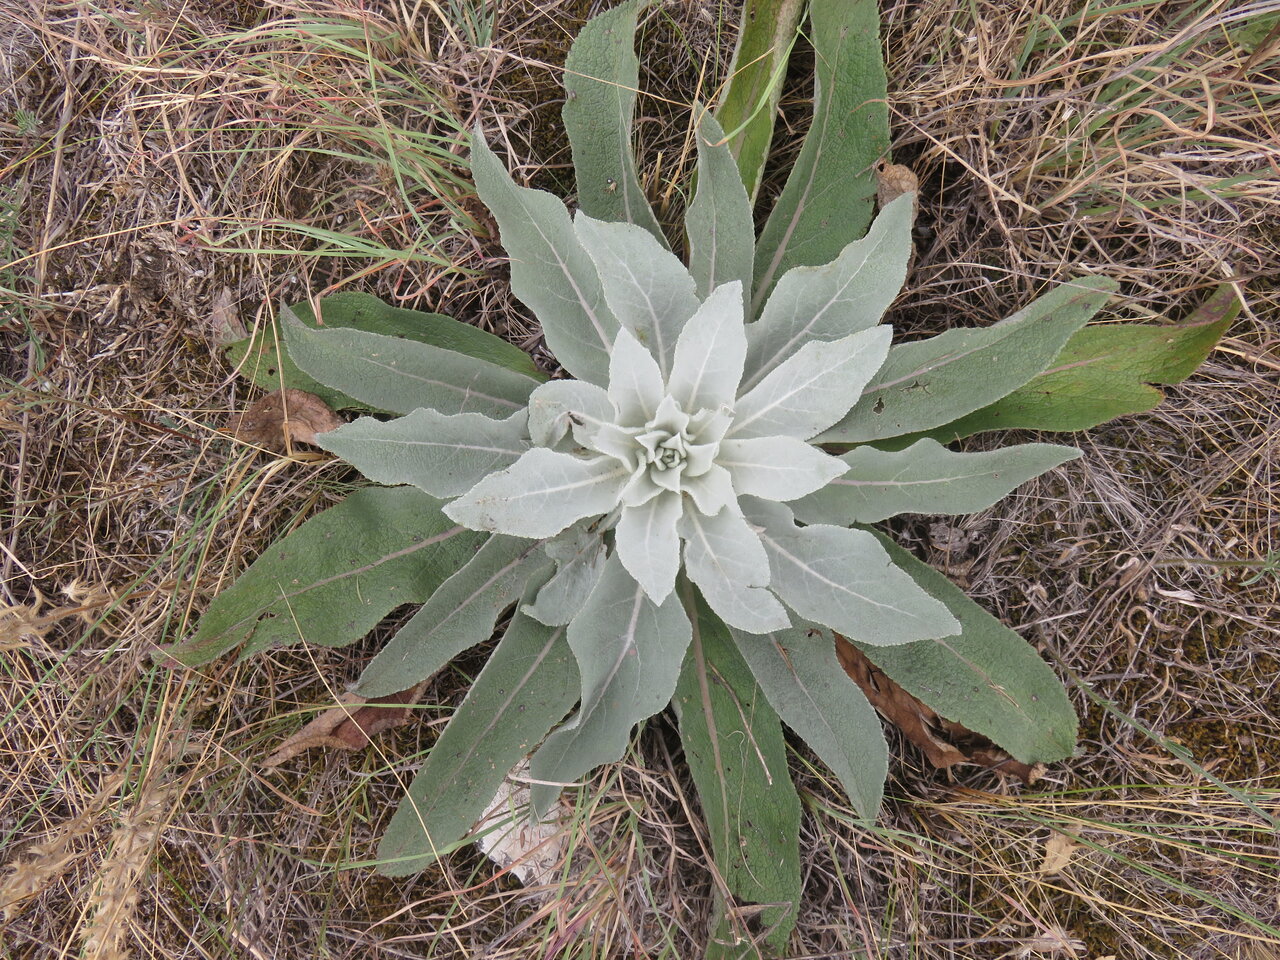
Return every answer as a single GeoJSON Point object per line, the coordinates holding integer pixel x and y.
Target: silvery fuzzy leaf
{"type": "Point", "coordinates": [648, 546]}
{"type": "Point", "coordinates": [391, 373]}
{"type": "Point", "coordinates": [460, 614]}
{"type": "Point", "coordinates": [811, 692]}
{"type": "Point", "coordinates": [635, 382]}
{"type": "Point", "coordinates": [777, 468]}
{"type": "Point", "coordinates": [558, 405]}
{"type": "Point", "coordinates": [926, 477]}
{"type": "Point", "coordinates": [646, 286]}
{"type": "Point", "coordinates": [811, 389]}
{"type": "Point", "coordinates": [710, 352]}
{"type": "Point", "coordinates": [712, 491]}
{"type": "Point", "coordinates": [724, 557]}
{"type": "Point", "coordinates": [579, 553]}
{"type": "Point", "coordinates": [440, 454]}
{"type": "Point", "coordinates": [629, 652]}
{"type": "Point", "coordinates": [719, 223]}
{"type": "Point", "coordinates": [540, 494]}
{"type": "Point", "coordinates": [844, 579]}
{"type": "Point", "coordinates": [849, 294]}
{"type": "Point", "coordinates": [549, 269]}
{"type": "Point", "coordinates": [926, 383]}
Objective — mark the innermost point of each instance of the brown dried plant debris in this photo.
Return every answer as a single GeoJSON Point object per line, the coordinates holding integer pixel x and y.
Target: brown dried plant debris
{"type": "Point", "coordinates": [944, 742]}
{"type": "Point", "coordinates": [351, 725]}
{"type": "Point", "coordinates": [283, 417]}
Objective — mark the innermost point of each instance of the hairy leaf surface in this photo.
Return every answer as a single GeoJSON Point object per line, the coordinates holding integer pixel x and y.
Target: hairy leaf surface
{"type": "Point", "coordinates": [750, 103]}
{"type": "Point", "coordinates": [799, 673]}
{"type": "Point", "coordinates": [831, 301]}
{"type": "Point", "coordinates": [928, 382]}
{"type": "Point", "coordinates": [827, 200]}
{"type": "Point", "coordinates": [334, 578]}
{"type": "Point", "coordinates": [926, 477]}
{"type": "Point", "coordinates": [390, 373]}
{"type": "Point", "coordinates": [527, 686]}
{"type": "Point", "coordinates": [811, 389]}
{"type": "Point", "coordinates": [440, 454]}
{"type": "Point", "coordinates": [629, 651]}
{"type": "Point", "coordinates": [263, 359]}
{"type": "Point", "coordinates": [550, 271]}
{"type": "Point", "coordinates": [725, 558]}
{"type": "Point", "coordinates": [734, 747]}
{"type": "Point", "coordinates": [601, 79]}
{"type": "Point", "coordinates": [1106, 372]}
{"type": "Point", "coordinates": [719, 226]}
{"type": "Point", "coordinates": [646, 286]}
{"type": "Point", "coordinates": [843, 579]}
{"type": "Point", "coordinates": [460, 614]}
{"type": "Point", "coordinates": [987, 678]}
{"type": "Point", "coordinates": [541, 494]}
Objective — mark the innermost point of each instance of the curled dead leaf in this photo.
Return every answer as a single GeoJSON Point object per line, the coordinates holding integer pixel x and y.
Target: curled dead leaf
{"type": "Point", "coordinates": [1058, 851]}
{"type": "Point", "coordinates": [944, 742]}
{"type": "Point", "coordinates": [349, 726]}
{"type": "Point", "coordinates": [892, 181]}
{"type": "Point", "coordinates": [285, 415]}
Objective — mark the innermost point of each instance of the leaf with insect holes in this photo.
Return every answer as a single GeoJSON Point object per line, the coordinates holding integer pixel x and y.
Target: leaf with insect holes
{"type": "Point", "coordinates": [601, 78]}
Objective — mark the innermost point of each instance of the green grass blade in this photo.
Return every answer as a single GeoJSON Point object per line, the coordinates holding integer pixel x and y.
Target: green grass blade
{"type": "Point", "coordinates": [750, 102]}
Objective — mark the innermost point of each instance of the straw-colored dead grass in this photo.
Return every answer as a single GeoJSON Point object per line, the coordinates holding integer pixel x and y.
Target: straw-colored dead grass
{"type": "Point", "coordinates": [171, 172]}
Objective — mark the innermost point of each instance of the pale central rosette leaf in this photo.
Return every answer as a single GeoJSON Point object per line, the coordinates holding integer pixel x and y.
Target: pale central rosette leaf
{"type": "Point", "coordinates": [665, 459]}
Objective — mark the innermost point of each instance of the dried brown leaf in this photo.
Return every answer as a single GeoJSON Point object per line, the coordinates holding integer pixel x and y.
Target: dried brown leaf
{"type": "Point", "coordinates": [281, 415]}
{"type": "Point", "coordinates": [349, 726]}
{"type": "Point", "coordinates": [1058, 851]}
{"type": "Point", "coordinates": [944, 742]}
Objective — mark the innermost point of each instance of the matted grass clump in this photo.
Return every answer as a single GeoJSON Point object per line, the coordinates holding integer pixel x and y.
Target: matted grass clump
{"type": "Point", "coordinates": [172, 174]}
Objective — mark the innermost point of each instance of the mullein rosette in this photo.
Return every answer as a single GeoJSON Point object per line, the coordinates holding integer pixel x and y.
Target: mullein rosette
{"type": "Point", "coordinates": [677, 479]}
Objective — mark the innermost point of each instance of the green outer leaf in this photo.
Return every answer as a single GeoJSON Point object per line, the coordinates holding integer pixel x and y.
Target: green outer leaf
{"type": "Point", "coordinates": [988, 678]}
{"type": "Point", "coordinates": [331, 580]}
{"type": "Point", "coordinates": [442, 455]}
{"type": "Point", "coordinates": [721, 232]}
{"type": "Point", "coordinates": [629, 652]}
{"type": "Point", "coordinates": [831, 301]}
{"type": "Point", "coordinates": [1103, 372]}
{"type": "Point", "coordinates": [601, 79]}
{"type": "Point", "coordinates": [750, 102]}
{"type": "Point", "coordinates": [827, 200]}
{"type": "Point", "coordinates": [806, 685]}
{"type": "Point", "coordinates": [550, 271]}
{"type": "Point", "coordinates": [527, 686]}
{"type": "Point", "coordinates": [926, 477]}
{"type": "Point", "coordinates": [926, 383]}
{"type": "Point", "coordinates": [460, 614]}
{"type": "Point", "coordinates": [264, 361]}
{"type": "Point", "coordinates": [736, 754]}
{"type": "Point", "coordinates": [390, 373]}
